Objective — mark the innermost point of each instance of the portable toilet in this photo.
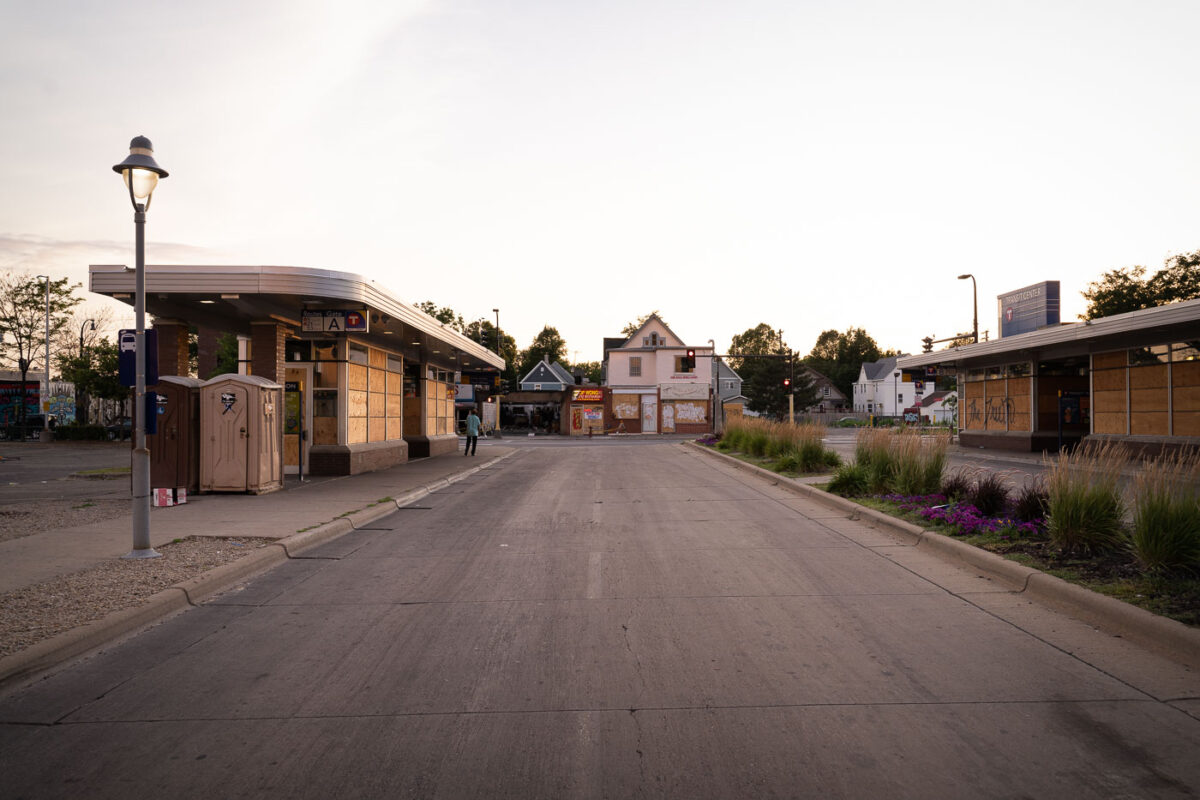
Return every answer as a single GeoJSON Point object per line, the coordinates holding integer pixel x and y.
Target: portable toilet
{"type": "Point", "coordinates": [241, 434]}
{"type": "Point", "coordinates": [175, 448]}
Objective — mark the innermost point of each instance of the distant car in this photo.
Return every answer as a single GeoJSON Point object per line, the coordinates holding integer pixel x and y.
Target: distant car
{"type": "Point", "coordinates": [120, 430]}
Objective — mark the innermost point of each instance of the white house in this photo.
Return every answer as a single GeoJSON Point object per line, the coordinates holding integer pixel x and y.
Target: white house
{"type": "Point", "coordinates": [884, 390]}
{"type": "Point", "coordinates": [654, 386]}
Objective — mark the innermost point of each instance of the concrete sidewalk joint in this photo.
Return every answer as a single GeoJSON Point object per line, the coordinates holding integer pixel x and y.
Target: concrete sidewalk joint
{"type": "Point", "coordinates": [1166, 636]}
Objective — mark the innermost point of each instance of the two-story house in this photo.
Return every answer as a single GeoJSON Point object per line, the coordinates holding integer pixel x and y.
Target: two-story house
{"type": "Point", "coordinates": [654, 386]}
{"type": "Point", "coordinates": [884, 390]}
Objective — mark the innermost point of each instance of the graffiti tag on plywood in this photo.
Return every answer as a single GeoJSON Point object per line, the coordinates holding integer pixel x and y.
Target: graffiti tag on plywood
{"type": "Point", "coordinates": [625, 410]}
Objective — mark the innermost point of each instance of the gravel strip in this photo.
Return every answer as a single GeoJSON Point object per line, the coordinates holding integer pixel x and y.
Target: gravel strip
{"type": "Point", "coordinates": [25, 519]}
{"type": "Point", "coordinates": [38, 612]}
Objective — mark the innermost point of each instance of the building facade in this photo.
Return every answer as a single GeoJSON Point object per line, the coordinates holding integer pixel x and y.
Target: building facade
{"type": "Point", "coordinates": [370, 380]}
{"type": "Point", "coordinates": [653, 387]}
{"type": "Point", "coordinates": [1132, 378]}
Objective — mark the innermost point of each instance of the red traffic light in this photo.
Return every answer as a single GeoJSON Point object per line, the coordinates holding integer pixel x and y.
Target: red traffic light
{"type": "Point", "coordinates": [787, 382]}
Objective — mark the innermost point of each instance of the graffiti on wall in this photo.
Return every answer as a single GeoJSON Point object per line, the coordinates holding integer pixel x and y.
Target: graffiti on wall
{"type": "Point", "coordinates": [998, 410]}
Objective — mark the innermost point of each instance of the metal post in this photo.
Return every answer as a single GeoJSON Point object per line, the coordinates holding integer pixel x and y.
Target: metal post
{"type": "Point", "coordinates": [141, 455]}
{"type": "Point", "coordinates": [46, 397]}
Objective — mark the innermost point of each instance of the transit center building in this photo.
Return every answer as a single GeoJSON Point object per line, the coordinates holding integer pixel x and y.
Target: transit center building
{"type": "Point", "coordinates": [370, 381]}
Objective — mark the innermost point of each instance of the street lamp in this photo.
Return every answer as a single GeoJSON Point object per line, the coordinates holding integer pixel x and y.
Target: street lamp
{"type": "Point", "coordinates": [975, 303]}
{"type": "Point", "coordinates": [896, 388]}
{"type": "Point", "coordinates": [141, 173]}
{"type": "Point", "coordinates": [45, 406]}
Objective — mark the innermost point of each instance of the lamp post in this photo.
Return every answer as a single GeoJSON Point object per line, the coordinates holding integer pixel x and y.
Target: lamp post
{"type": "Point", "coordinates": [45, 398]}
{"type": "Point", "coordinates": [500, 388]}
{"type": "Point", "coordinates": [141, 174]}
{"type": "Point", "coordinates": [81, 407]}
{"type": "Point", "coordinates": [975, 304]}
{"type": "Point", "coordinates": [716, 384]}
{"type": "Point", "coordinates": [896, 393]}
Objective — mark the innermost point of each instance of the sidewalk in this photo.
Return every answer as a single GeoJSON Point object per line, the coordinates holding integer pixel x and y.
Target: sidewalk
{"type": "Point", "coordinates": [297, 508]}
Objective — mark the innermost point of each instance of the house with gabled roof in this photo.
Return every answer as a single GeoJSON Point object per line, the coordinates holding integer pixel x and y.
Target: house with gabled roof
{"type": "Point", "coordinates": [829, 397]}
{"type": "Point", "coordinates": [547, 377]}
{"type": "Point", "coordinates": [654, 386]}
{"type": "Point", "coordinates": [882, 389]}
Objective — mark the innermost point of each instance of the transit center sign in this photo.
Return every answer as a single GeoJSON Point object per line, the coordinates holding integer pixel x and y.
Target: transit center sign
{"type": "Point", "coordinates": [1029, 309]}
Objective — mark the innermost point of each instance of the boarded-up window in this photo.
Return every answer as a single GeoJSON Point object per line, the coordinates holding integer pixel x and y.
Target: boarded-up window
{"type": "Point", "coordinates": [625, 406]}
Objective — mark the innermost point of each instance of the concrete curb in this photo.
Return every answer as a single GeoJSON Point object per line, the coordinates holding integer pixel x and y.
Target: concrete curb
{"type": "Point", "coordinates": [1165, 636]}
{"type": "Point", "coordinates": [51, 652]}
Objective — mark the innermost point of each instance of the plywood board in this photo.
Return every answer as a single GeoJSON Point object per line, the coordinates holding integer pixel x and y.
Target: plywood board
{"type": "Point", "coordinates": [1109, 379]}
{"type": "Point", "coordinates": [356, 430]}
{"type": "Point", "coordinates": [357, 404]}
{"type": "Point", "coordinates": [1109, 402]}
{"type": "Point", "coordinates": [358, 377]}
{"type": "Point", "coordinates": [376, 404]}
{"type": "Point", "coordinates": [324, 430]}
{"type": "Point", "coordinates": [1148, 424]}
{"type": "Point", "coordinates": [377, 358]}
{"type": "Point", "coordinates": [1148, 377]}
{"type": "Point", "coordinates": [1187, 423]}
{"type": "Point", "coordinates": [395, 383]}
{"type": "Point", "coordinates": [395, 429]}
{"type": "Point", "coordinates": [394, 405]}
{"type": "Point", "coordinates": [1106, 422]}
{"type": "Point", "coordinates": [1146, 400]}
{"type": "Point", "coordinates": [1116, 358]}
{"type": "Point", "coordinates": [1186, 398]}
{"type": "Point", "coordinates": [378, 381]}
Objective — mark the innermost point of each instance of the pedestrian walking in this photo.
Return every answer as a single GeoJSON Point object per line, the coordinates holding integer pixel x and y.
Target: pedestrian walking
{"type": "Point", "coordinates": [472, 433]}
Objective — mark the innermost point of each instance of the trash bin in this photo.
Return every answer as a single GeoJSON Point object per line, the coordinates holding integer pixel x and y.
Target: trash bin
{"type": "Point", "coordinates": [175, 448]}
{"type": "Point", "coordinates": [241, 434]}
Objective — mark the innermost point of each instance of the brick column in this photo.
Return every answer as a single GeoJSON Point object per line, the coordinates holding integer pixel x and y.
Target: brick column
{"type": "Point", "coordinates": [267, 356]}
{"type": "Point", "coordinates": [172, 347]}
{"type": "Point", "coordinates": [206, 358]}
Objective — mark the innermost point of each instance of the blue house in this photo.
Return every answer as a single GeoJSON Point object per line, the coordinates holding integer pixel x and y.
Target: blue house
{"type": "Point", "coordinates": [547, 377]}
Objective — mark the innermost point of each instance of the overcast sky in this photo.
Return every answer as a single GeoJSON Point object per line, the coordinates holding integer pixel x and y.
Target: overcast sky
{"type": "Point", "coordinates": [812, 165]}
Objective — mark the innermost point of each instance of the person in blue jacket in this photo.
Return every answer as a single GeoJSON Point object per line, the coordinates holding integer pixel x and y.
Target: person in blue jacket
{"type": "Point", "coordinates": [472, 433]}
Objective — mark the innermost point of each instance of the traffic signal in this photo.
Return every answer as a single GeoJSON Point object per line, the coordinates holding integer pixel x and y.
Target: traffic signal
{"type": "Point", "coordinates": [691, 359]}
{"type": "Point", "coordinates": [787, 383]}
{"type": "Point", "coordinates": [927, 347]}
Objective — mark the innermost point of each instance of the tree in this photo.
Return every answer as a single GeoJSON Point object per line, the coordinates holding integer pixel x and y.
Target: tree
{"type": "Point", "coordinates": [840, 356]}
{"type": "Point", "coordinates": [631, 328]}
{"type": "Point", "coordinates": [97, 372]}
{"type": "Point", "coordinates": [764, 361]}
{"type": "Point", "coordinates": [484, 333]}
{"type": "Point", "coordinates": [547, 345]}
{"type": "Point", "coordinates": [1122, 290]}
{"type": "Point", "coordinates": [23, 321]}
{"type": "Point", "coordinates": [592, 370]}
{"type": "Point", "coordinates": [444, 314]}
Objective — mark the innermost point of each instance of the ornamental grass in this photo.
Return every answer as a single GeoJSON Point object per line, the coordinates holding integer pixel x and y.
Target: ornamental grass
{"type": "Point", "coordinates": [904, 461]}
{"type": "Point", "coordinates": [1166, 516]}
{"type": "Point", "coordinates": [1084, 499]}
{"type": "Point", "coordinates": [794, 448]}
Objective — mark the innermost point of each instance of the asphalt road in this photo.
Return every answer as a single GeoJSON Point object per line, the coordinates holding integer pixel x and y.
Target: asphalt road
{"type": "Point", "coordinates": [611, 621]}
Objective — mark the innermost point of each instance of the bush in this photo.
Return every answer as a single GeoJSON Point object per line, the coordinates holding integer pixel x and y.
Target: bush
{"type": "Point", "coordinates": [1084, 499]}
{"type": "Point", "coordinates": [81, 433]}
{"type": "Point", "coordinates": [1031, 502]}
{"type": "Point", "coordinates": [957, 485]}
{"type": "Point", "coordinates": [850, 480]}
{"type": "Point", "coordinates": [1166, 519]}
{"type": "Point", "coordinates": [989, 493]}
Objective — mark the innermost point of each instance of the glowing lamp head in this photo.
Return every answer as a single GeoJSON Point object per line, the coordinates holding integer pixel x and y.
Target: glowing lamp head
{"type": "Point", "coordinates": [140, 171]}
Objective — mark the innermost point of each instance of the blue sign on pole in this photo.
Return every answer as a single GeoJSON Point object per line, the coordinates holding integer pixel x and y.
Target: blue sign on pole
{"type": "Point", "coordinates": [127, 356]}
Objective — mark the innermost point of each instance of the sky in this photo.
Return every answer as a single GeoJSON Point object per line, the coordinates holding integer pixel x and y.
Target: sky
{"type": "Point", "coordinates": [809, 164]}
